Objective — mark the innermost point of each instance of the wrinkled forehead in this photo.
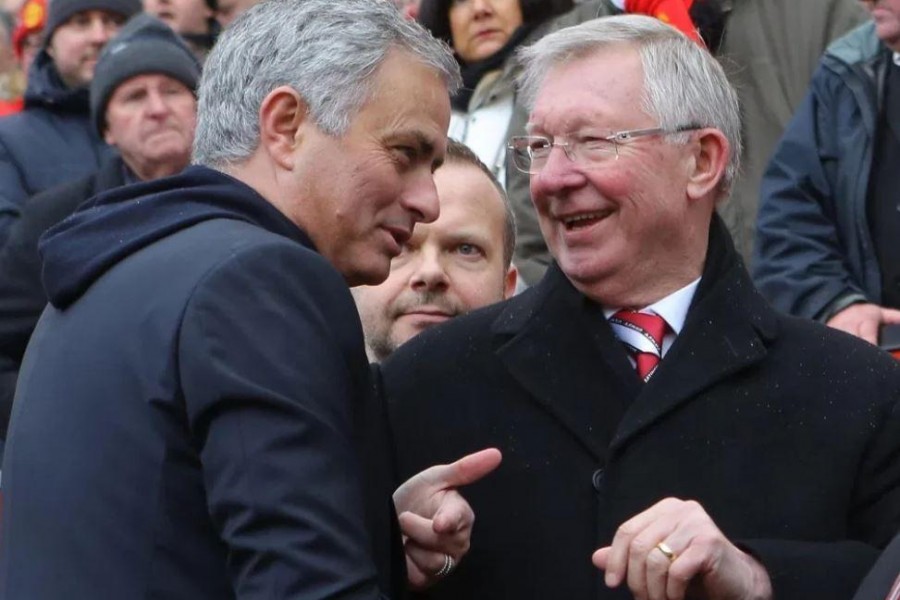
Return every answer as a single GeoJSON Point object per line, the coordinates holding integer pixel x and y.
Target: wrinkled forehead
{"type": "Point", "coordinates": [603, 89]}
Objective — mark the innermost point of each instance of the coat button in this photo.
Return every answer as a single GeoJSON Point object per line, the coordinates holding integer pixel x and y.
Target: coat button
{"type": "Point", "coordinates": [597, 479]}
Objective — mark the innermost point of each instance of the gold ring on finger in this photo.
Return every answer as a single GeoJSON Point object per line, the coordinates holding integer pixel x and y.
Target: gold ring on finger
{"type": "Point", "coordinates": [667, 551]}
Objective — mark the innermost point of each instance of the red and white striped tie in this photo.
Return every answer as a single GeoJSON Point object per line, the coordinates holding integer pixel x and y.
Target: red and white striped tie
{"type": "Point", "coordinates": [642, 334]}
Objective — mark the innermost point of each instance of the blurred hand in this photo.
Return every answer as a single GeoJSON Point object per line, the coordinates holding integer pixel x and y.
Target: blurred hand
{"type": "Point", "coordinates": [864, 320]}
{"type": "Point", "coordinates": [435, 519]}
{"type": "Point", "coordinates": [705, 564]}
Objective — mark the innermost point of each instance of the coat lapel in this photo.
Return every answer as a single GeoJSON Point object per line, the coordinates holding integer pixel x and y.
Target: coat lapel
{"type": "Point", "coordinates": [728, 329]}
{"type": "Point", "coordinates": [557, 345]}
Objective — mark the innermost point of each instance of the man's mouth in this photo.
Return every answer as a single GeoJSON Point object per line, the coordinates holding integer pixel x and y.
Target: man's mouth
{"type": "Point", "coordinates": [583, 220]}
{"type": "Point", "coordinates": [400, 234]}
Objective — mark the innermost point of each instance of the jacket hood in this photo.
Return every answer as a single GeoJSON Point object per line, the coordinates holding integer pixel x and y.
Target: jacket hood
{"type": "Point", "coordinates": [46, 88]}
{"type": "Point", "coordinates": [114, 225]}
{"type": "Point", "coordinates": [859, 45]}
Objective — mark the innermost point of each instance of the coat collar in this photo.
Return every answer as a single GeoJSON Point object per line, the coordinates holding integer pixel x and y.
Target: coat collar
{"type": "Point", "coordinates": [557, 344]}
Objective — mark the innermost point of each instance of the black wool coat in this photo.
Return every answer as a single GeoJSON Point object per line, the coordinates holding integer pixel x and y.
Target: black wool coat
{"type": "Point", "coordinates": [786, 432]}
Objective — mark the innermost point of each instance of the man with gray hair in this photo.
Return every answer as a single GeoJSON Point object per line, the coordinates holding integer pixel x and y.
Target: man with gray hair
{"type": "Point", "coordinates": [192, 416]}
{"type": "Point", "coordinates": [654, 411]}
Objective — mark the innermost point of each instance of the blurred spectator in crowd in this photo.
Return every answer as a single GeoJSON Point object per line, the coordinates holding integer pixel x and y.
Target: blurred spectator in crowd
{"type": "Point", "coordinates": [449, 267]}
{"type": "Point", "coordinates": [193, 414]}
{"type": "Point", "coordinates": [829, 218]}
{"type": "Point", "coordinates": [52, 140]}
{"type": "Point", "coordinates": [769, 49]}
{"type": "Point", "coordinates": [28, 32]}
{"type": "Point", "coordinates": [485, 35]}
{"type": "Point", "coordinates": [883, 582]}
{"type": "Point", "coordinates": [11, 78]}
{"type": "Point", "coordinates": [645, 396]}
{"type": "Point", "coordinates": [228, 10]}
{"type": "Point", "coordinates": [194, 20]}
{"type": "Point", "coordinates": [143, 104]}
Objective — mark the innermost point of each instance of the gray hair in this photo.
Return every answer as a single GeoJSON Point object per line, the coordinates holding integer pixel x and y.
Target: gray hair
{"type": "Point", "coordinates": [683, 83]}
{"type": "Point", "coordinates": [329, 51]}
{"type": "Point", "coordinates": [460, 154]}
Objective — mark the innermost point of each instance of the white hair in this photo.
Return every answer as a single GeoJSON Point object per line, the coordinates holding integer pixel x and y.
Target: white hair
{"type": "Point", "coordinates": [683, 84]}
{"type": "Point", "coordinates": [327, 50]}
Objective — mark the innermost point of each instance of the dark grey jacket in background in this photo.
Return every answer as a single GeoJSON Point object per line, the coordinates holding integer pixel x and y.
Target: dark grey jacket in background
{"type": "Point", "coordinates": [814, 251]}
{"type": "Point", "coordinates": [22, 296]}
{"type": "Point", "coordinates": [50, 142]}
{"type": "Point", "coordinates": [770, 50]}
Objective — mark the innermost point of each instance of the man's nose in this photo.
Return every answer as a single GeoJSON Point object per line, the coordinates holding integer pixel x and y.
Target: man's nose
{"type": "Point", "coordinates": [156, 104]}
{"type": "Point", "coordinates": [557, 174]}
{"type": "Point", "coordinates": [101, 31]}
{"type": "Point", "coordinates": [421, 198]}
{"type": "Point", "coordinates": [430, 272]}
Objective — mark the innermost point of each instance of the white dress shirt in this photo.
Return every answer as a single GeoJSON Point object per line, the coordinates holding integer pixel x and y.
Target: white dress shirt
{"type": "Point", "coordinates": [673, 309]}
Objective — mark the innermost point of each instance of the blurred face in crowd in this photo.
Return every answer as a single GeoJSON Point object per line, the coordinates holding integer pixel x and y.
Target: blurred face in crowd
{"type": "Point", "coordinates": [479, 28]}
{"type": "Point", "coordinates": [621, 224]}
{"type": "Point", "coordinates": [886, 14]}
{"type": "Point", "coordinates": [228, 10]}
{"type": "Point", "coordinates": [183, 16]}
{"type": "Point", "coordinates": [359, 195]}
{"type": "Point", "coordinates": [447, 268]}
{"type": "Point", "coordinates": [151, 120]}
{"type": "Point", "coordinates": [31, 45]}
{"type": "Point", "coordinates": [77, 43]}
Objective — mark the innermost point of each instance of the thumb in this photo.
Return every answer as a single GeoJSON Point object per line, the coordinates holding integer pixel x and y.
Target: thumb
{"type": "Point", "coordinates": [601, 558]}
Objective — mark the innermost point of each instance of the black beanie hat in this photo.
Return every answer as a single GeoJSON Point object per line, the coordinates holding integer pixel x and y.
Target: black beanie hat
{"type": "Point", "coordinates": [144, 45]}
{"type": "Point", "coordinates": [59, 11]}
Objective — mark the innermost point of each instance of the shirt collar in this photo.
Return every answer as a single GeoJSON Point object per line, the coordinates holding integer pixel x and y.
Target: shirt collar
{"type": "Point", "coordinates": [897, 58]}
{"type": "Point", "coordinates": [673, 308]}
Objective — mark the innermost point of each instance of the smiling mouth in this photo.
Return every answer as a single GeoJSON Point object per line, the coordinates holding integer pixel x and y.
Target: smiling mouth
{"type": "Point", "coordinates": [585, 220]}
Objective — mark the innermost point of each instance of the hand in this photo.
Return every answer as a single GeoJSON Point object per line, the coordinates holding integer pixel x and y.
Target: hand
{"type": "Point", "coordinates": [705, 563]}
{"type": "Point", "coordinates": [864, 320]}
{"type": "Point", "coordinates": [435, 519]}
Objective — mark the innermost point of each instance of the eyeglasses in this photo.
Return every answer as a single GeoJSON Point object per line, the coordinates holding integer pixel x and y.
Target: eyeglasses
{"type": "Point", "coordinates": [531, 152]}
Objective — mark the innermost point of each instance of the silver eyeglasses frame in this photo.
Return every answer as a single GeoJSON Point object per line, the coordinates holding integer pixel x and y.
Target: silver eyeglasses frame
{"type": "Point", "coordinates": [521, 150]}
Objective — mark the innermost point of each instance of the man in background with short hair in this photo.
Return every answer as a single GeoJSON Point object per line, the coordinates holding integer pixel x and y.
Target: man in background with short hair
{"type": "Point", "coordinates": [52, 140]}
{"type": "Point", "coordinates": [143, 104]}
{"type": "Point", "coordinates": [460, 262]}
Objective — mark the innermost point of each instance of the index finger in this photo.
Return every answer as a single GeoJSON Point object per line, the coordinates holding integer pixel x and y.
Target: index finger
{"type": "Point", "coordinates": [466, 470]}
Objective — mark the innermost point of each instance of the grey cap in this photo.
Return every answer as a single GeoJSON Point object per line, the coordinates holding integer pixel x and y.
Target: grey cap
{"type": "Point", "coordinates": [59, 11]}
{"type": "Point", "coordinates": [143, 46]}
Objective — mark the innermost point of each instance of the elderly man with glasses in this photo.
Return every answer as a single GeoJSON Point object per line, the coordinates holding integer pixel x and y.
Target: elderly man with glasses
{"type": "Point", "coordinates": [655, 413]}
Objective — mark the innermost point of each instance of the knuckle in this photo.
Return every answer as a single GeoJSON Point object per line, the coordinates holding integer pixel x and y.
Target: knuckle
{"type": "Point", "coordinates": [681, 575]}
{"type": "Point", "coordinates": [694, 505]}
{"type": "Point", "coordinates": [626, 530]}
{"type": "Point", "coordinates": [642, 545]}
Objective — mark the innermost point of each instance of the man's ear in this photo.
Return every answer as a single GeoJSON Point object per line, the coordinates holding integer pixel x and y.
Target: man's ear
{"type": "Point", "coordinates": [509, 282]}
{"type": "Point", "coordinates": [711, 152]}
{"type": "Point", "coordinates": [281, 118]}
